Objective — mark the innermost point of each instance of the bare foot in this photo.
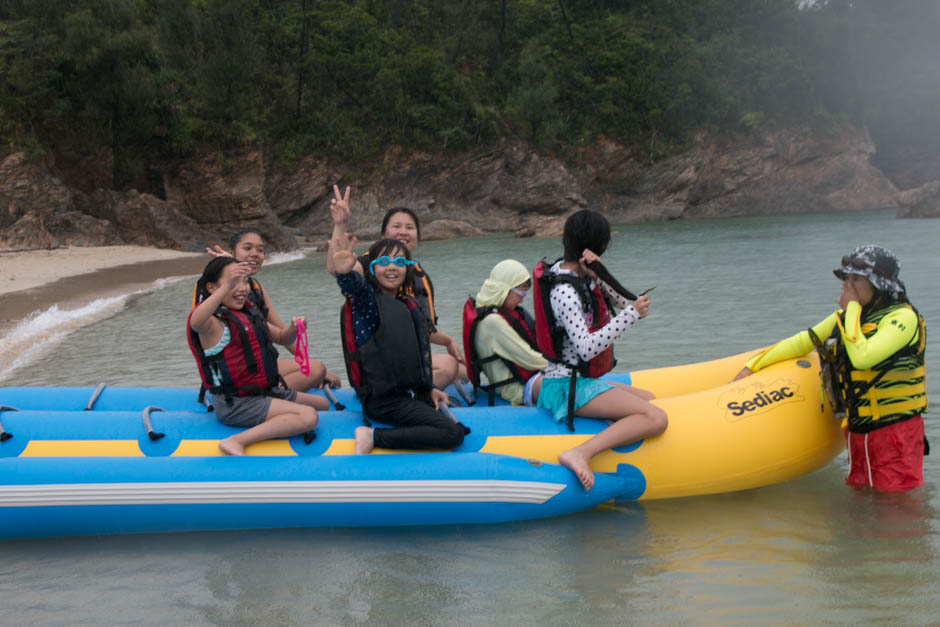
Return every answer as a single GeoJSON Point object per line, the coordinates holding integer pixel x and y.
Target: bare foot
{"type": "Point", "coordinates": [230, 447]}
{"type": "Point", "coordinates": [577, 464]}
{"type": "Point", "coordinates": [364, 443]}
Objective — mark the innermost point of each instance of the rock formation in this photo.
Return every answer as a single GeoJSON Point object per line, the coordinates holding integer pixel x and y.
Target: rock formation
{"type": "Point", "coordinates": [920, 202]}
{"type": "Point", "coordinates": [508, 187]}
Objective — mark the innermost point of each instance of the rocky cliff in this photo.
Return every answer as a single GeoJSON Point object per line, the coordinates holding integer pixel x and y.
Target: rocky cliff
{"type": "Point", "coordinates": [509, 187]}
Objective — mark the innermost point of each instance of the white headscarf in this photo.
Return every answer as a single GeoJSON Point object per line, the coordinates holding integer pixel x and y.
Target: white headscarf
{"type": "Point", "coordinates": [504, 276]}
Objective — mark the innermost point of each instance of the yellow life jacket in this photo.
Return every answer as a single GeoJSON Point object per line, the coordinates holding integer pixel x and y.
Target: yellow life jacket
{"type": "Point", "coordinates": [889, 392]}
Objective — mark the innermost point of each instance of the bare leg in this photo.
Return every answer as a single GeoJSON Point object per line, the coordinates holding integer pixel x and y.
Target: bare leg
{"type": "Point", "coordinates": [646, 395]}
{"type": "Point", "coordinates": [312, 400]}
{"type": "Point", "coordinates": [284, 419]}
{"type": "Point", "coordinates": [445, 370]}
{"type": "Point", "coordinates": [296, 380]}
{"type": "Point", "coordinates": [364, 443]}
{"type": "Point", "coordinates": [636, 419]}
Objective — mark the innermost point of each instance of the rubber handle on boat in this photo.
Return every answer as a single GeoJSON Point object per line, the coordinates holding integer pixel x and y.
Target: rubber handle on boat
{"type": "Point", "coordinates": [463, 394]}
{"type": "Point", "coordinates": [445, 409]}
{"type": "Point", "coordinates": [4, 435]}
{"type": "Point", "coordinates": [94, 397]}
{"type": "Point", "coordinates": [154, 436]}
{"type": "Point", "coordinates": [327, 391]}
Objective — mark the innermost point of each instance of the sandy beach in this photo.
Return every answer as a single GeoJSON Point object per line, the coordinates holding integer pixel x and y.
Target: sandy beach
{"type": "Point", "coordinates": [37, 279]}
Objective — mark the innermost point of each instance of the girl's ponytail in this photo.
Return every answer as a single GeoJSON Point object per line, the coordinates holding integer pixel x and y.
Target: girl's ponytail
{"type": "Point", "coordinates": [601, 271]}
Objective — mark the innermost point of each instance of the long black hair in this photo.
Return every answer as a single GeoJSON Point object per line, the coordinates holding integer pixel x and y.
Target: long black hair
{"type": "Point", "coordinates": [393, 211]}
{"type": "Point", "coordinates": [385, 246]}
{"type": "Point", "coordinates": [211, 274]}
{"type": "Point", "coordinates": [589, 229]}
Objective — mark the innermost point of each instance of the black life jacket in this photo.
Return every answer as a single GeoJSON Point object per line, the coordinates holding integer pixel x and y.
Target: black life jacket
{"type": "Point", "coordinates": [520, 321]}
{"type": "Point", "coordinates": [393, 360]}
{"type": "Point", "coordinates": [247, 366]}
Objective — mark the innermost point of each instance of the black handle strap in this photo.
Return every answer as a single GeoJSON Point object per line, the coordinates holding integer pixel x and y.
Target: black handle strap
{"type": "Point", "coordinates": [5, 435]}
{"type": "Point", "coordinates": [572, 389]}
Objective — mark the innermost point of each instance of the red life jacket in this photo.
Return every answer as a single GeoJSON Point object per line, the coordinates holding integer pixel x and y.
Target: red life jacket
{"type": "Point", "coordinates": [520, 321]}
{"type": "Point", "coordinates": [550, 334]}
{"type": "Point", "coordinates": [247, 366]}
{"type": "Point", "coordinates": [392, 360]}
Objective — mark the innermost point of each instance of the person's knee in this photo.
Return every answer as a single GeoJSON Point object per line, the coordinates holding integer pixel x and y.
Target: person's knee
{"type": "Point", "coordinates": [658, 420]}
{"type": "Point", "coordinates": [446, 365]}
{"type": "Point", "coordinates": [309, 417]}
{"type": "Point", "coordinates": [317, 371]}
{"type": "Point", "coordinates": [453, 436]}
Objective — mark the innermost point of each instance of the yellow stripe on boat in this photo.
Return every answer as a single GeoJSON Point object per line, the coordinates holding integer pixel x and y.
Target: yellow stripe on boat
{"type": "Point", "coordinates": [210, 448]}
{"type": "Point", "coordinates": [82, 448]}
{"type": "Point", "coordinates": [343, 446]}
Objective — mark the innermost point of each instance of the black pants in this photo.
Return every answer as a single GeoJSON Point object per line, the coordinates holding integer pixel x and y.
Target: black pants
{"type": "Point", "coordinates": [417, 424]}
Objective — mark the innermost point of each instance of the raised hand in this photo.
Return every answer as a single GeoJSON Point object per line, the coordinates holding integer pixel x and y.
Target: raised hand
{"type": "Point", "coordinates": [849, 293]}
{"type": "Point", "coordinates": [233, 274]}
{"type": "Point", "coordinates": [339, 206]}
{"type": "Point", "coordinates": [589, 257]}
{"type": "Point", "coordinates": [218, 251]}
{"type": "Point", "coordinates": [341, 253]}
{"type": "Point", "coordinates": [642, 305]}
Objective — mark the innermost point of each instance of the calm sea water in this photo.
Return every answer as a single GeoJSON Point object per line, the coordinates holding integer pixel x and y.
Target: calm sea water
{"type": "Point", "coordinates": [805, 552]}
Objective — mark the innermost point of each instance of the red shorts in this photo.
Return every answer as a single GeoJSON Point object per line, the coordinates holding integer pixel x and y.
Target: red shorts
{"type": "Point", "coordinates": [890, 458]}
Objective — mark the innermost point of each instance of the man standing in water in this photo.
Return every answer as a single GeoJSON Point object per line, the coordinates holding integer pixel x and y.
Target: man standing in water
{"type": "Point", "coordinates": [872, 353]}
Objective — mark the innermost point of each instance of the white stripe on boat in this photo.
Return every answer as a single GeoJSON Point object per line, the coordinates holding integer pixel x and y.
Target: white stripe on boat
{"type": "Point", "coordinates": [199, 492]}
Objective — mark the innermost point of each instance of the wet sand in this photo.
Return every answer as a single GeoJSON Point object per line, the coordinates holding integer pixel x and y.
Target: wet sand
{"type": "Point", "coordinates": [71, 277]}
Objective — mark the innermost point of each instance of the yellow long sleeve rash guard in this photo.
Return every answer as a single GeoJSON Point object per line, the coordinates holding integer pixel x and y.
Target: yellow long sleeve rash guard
{"type": "Point", "coordinates": [894, 331]}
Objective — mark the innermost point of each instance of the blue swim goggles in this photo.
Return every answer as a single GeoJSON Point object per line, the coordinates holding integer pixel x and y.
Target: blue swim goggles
{"type": "Point", "coordinates": [384, 260]}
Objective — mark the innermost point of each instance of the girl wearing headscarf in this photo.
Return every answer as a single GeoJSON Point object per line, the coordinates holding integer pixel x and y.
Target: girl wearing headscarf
{"type": "Point", "coordinates": [872, 353]}
{"type": "Point", "coordinates": [502, 342]}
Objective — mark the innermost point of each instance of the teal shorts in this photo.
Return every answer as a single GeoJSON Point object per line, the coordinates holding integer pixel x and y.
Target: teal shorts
{"type": "Point", "coordinates": [554, 394]}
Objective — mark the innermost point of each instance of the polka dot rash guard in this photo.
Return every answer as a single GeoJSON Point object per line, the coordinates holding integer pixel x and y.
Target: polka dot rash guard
{"type": "Point", "coordinates": [578, 341]}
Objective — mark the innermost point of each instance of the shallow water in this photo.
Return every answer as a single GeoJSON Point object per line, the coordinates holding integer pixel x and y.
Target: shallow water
{"type": "Point", "coordinates": [804, 552]}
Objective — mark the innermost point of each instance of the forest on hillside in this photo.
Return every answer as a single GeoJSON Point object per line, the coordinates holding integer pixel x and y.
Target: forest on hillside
{"type": "Point", "coordinates": [159, 79]}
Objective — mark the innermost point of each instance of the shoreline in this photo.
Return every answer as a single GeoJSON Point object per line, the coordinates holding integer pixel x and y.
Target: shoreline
{"type": "Point", "coordinates": [35, 280]}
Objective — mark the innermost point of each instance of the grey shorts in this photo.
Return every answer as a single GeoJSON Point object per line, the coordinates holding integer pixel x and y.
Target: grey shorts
{"type": "Point", "coordinates": [249, 411]}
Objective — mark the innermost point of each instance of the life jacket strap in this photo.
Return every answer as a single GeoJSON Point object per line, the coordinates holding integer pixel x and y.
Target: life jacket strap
{"type": "Point", "coordinates": [875, 410]}
{"type": "Point", "coordinates": [893, 375]}
{"type": "Point", "coordinates": [572, 390]}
